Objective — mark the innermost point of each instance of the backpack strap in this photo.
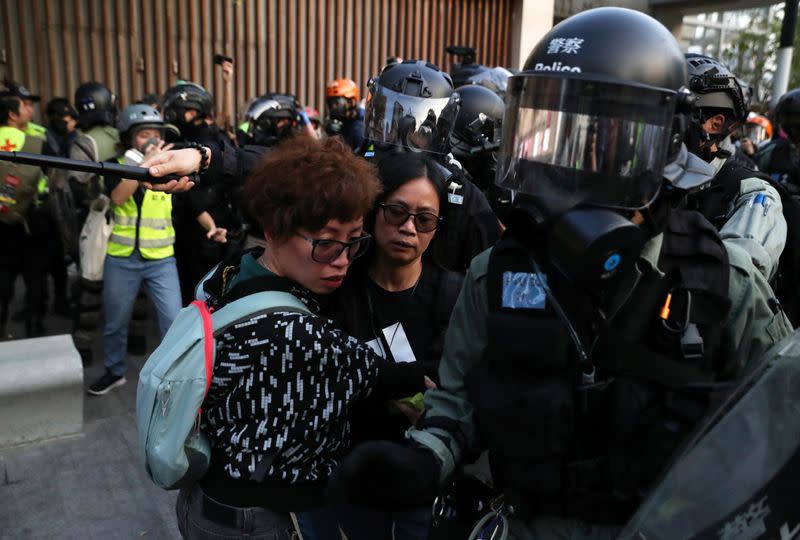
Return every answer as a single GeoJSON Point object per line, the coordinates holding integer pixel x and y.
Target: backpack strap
{"type": "Point", "coordinates": [247, 307]}
{"type": "Point", "coordinates": [208, 343]}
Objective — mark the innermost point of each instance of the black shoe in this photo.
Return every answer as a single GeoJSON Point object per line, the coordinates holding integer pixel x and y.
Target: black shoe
{"type": "Point", "coordinates": [106, 383]}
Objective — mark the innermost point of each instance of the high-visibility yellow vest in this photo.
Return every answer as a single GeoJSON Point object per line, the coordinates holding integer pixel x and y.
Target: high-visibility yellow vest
{"type": "Point", "coordinates": [155, 233]}
{"type": "Point", "coordinates": [35, 130]}
{"type": "Point", "coordinates": [21, 186]}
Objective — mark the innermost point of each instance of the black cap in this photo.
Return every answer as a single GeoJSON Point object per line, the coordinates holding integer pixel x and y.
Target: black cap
{"type": "Point", "coordinates": [60, 106]}
{"type": "Point", "coordinates": [17, 90]}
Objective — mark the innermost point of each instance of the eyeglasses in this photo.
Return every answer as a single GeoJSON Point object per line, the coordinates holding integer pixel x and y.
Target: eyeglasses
{"type": "Point", "coordinates": [324, 250]}
{"type": "Point", "coordinates": [425, 222]}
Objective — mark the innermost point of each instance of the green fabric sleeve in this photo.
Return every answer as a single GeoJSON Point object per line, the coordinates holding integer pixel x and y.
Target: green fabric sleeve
{"type": "Point", "coordinates": [754, 323]}
{"type": "Point", "coordinates": [464, 346]}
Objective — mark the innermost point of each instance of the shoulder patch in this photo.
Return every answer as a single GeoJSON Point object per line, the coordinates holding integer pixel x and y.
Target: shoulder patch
{"type": "Point", "coordinates": [523, 290]}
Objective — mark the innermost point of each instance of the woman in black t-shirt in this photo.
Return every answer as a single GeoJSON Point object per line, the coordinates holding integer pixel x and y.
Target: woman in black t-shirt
{"type": "Point", "coordinates": [399, 302]}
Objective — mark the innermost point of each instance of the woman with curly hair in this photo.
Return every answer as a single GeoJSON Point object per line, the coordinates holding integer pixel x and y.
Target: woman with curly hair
{"type": "Point", "coordinates": [283, 381]}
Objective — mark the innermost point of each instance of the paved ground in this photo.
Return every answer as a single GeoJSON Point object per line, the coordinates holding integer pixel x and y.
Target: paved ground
{"type": "Point", "coordinates": [90, 486]}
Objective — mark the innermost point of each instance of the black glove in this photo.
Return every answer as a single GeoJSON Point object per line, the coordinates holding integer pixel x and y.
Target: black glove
{"type": "Point", "coordinates": [383, 474]}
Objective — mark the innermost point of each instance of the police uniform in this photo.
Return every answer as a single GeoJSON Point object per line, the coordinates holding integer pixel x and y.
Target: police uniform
{"type": "Point", "coordinates": [751, 326]}
{"type": "Point", "coordinates": [746, 208]}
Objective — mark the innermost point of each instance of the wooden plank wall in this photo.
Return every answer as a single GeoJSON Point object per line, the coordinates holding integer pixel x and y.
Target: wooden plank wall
{"type": "Point", "coordinates": [142, 46]}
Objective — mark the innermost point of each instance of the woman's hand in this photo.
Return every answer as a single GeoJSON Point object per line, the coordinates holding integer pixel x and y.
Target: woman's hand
{"type": "Point", "coordinates": [407, 407]}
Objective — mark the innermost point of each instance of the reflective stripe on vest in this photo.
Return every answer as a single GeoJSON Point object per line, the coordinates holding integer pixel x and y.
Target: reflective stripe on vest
{"type": "Point", "coordinates": [156, 234]}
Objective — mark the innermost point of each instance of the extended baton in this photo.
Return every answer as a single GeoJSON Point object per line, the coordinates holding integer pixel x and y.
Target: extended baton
{"type": "Point", "coordinates": [103, 168]}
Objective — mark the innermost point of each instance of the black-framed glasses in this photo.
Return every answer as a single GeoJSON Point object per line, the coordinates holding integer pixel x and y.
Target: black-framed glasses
{"type": "Point", "coordinates": [425, 222]}
{"type": "Point", "coordinates": [325, 250]}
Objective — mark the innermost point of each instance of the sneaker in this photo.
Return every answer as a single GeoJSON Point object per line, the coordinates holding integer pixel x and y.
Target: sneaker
{"type": "Point", "coordinates": [106, 383]}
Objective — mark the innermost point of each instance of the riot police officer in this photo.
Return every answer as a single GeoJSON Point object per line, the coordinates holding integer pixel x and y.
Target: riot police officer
{"type": "Point", "coordinates": [98, 139]}
{"type": "Point", "coordinates": [720, 106]}
{"type": "Point", "coordinates": [269, 119]}
{"type": "Point", "coordinates": [190, 108]}
{"type": "Point", "coordinates": [476, 139]}
{"type": "Point", "coordinates": [589, 341]}
{"type": "Point", "coordinates": [412, 108]}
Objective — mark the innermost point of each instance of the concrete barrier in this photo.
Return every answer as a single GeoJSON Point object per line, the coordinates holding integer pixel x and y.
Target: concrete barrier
{"type": "Point", "coordinates": [41, 390]}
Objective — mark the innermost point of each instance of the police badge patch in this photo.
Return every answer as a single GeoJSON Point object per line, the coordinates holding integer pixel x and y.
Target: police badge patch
{"type": "Point", "coordinates": [524, 290]}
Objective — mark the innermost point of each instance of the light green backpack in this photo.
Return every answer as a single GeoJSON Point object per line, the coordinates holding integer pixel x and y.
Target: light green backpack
{"type": "Point", "coordinates": [175, 380]}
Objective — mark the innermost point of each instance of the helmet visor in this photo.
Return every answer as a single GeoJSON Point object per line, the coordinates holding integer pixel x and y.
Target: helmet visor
{"type": "Point", "coordinates": [755, 132]}
{"type": "Point", "coordinates": [415, 122]}
{"type": "Point", "coordinates": [577, 142]}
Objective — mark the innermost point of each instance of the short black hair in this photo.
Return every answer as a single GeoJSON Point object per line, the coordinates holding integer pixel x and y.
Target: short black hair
{"type": "Point", "coordinates": [8, 104]}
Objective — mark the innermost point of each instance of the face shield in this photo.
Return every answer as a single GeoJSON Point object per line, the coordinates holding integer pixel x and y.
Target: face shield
{"type": "Point", "coordinates": [570, 142]}
{"type": "Point", "coordinates": [754, 132]}
{"type": "Point", "coordinates": [417, 123]}
{"type": "Point", "coordinates": [339, 107]}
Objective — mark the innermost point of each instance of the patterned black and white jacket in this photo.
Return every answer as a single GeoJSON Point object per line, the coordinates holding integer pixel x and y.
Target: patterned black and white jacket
{"type": "Point", "coordinates": [282, 386]}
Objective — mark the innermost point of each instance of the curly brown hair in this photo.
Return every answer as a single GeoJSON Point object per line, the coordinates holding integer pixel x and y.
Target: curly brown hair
{"type": "Point", "coordinates": [305, 182]}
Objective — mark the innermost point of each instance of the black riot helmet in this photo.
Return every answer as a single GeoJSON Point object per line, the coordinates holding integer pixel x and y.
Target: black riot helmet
{"type": "Point", "coordinates": [184, 96]}
{"type": "Point", "coordinates": [411, 105]}
{"type": "Point", "coordinates": [787, 114]}
{"type": "Point", "coordinates": [589, 120]}
{"type": "Point", "coordinates": [272, 118]}
{"type": "Point", "coordinates": [588, 130]}
{"type": "Point", "coordinates": [476, 133]}
{"type": "Point", "coordinates": [96, 105]}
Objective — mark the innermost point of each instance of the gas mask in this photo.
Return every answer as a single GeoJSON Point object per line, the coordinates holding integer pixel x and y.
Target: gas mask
{"type": "Point", "coordinates": [589, 246]}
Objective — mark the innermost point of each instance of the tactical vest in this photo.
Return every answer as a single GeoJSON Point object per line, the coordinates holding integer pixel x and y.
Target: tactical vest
{"type": "Point", "coordinates": [21, 186]}
{"type": "Point", "coordinates": [149, 226]}
{"type": "Point", "coordinates": [585, 438]}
